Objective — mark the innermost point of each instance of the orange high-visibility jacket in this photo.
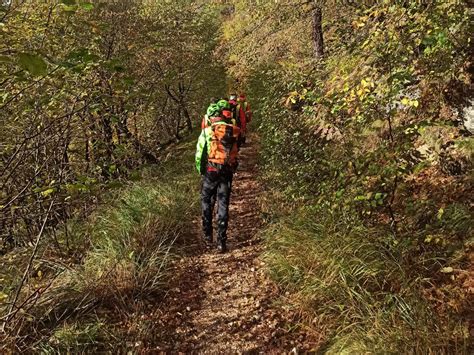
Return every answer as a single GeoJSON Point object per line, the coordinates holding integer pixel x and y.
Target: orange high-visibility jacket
{"type": "Point", "coordinates": [223, 144]}
{"type": "Point", "coordinates": [242, 117]}
{"type": "Point", "coordinates": [245, 106]}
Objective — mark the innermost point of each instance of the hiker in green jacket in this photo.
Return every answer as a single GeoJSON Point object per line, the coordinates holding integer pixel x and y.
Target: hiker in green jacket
{"type": "Point", "coordinates": [216, 160]}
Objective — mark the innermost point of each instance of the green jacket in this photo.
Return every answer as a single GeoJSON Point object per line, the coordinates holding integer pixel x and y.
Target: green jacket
{"type": "Point", "coordinates": [203, 149]}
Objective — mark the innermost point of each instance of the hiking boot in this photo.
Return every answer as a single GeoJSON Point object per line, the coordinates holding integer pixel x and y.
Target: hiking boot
{"type": "Point", "coordinates": [221, 246]}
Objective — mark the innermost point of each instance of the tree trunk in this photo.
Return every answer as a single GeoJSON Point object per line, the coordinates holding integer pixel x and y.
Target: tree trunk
{"type": "Point", "coordinates": [318, 41]}
{"type": "Point", "coordinates": [107, 136]}
{"type": "Point", "coordinates": [189, 123]}
{"type": "Point", "coordinates": [182, 102]}
{"type": "Point", "coordinates": [178, 125]}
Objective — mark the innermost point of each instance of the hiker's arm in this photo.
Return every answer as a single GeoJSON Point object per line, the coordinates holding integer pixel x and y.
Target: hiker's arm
{"type": "Point", "coordinates": [201, 146]}
{"type": "Point", "coordinates": [248, 113]}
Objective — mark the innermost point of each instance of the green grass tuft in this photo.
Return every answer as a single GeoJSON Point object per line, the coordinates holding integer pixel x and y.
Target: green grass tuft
{"type": "Point", "coordinates": [362, 288]}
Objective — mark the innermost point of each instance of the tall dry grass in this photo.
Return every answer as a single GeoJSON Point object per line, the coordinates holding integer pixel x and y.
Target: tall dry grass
{"type": "Point", "coordinates": [361, 289]}
{"type": "Point", "coordinates": [131, 240]}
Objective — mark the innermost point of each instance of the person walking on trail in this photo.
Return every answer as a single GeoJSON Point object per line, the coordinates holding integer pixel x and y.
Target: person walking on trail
{"type": "Point", "coordinates": [246, 106]}
{"type": "Point", "coordinates": [246, 111]}
{"type": "Point", "coordinates": [211, 108]}
{"type": "Point", "coordinates": [214, 109]}
{"type": "Point", "coordinates": [239, 117]}
{"type": "Point", "coordinates": [216, 160]}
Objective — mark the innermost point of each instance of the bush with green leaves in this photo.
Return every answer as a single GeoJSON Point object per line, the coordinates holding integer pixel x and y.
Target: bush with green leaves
{"type": "Point", "coordinates": [91, 91]}
{"type": "Point", "coordinates": [365, 156]}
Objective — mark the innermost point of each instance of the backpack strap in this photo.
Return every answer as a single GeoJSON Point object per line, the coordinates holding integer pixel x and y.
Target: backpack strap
{"type": "Point", "coordinates": [229, 130]}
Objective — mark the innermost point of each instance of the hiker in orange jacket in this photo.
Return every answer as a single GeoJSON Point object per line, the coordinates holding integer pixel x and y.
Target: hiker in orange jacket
{"type": "Point", "coordinates": [216, 159]}
{"type": "Point", "coordinates": [242, 100]}
{"type": "Point", "coordinates": [239, 116]}
{"type": "Point", "coordinates": [245, 112]}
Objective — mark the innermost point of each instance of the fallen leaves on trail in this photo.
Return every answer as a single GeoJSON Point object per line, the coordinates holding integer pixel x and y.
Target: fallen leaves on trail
{"type": "Point", "coordinates": [225, 303]}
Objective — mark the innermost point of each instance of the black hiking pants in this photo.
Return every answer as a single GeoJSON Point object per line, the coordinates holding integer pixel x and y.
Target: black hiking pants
{"type": "Point", "coordinates": [216, 183]}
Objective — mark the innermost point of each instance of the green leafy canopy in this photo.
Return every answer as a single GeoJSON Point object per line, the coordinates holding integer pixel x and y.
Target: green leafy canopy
{"type": "Point", "coordinates": [32, 63]}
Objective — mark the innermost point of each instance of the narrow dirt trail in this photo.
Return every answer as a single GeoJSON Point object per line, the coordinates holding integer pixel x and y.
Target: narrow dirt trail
{"type": "Point", "coordinates": [224, 303]}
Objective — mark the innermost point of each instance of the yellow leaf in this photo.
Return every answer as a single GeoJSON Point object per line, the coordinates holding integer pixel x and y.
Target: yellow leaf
{"type": "Point", "coordinates": [440, 213]}
{"type": "Point", "coordinates": [47, 192]}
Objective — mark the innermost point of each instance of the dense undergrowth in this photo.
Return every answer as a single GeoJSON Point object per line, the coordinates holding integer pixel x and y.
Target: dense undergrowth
{"type": "Point", "coordinates": [365, 157]}
{"type": "Point", "coordinates": [90, 92]}
{"type": "Point", "coordinates": [95, 97]}
{"type": "Point", "coordinates": [133, 236]}
{"type": "Point", "coordinates": [368, 169]}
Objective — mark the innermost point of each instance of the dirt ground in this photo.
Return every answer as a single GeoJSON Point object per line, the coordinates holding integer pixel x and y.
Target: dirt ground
{"type": "Point", "coordinates": [225, 303]}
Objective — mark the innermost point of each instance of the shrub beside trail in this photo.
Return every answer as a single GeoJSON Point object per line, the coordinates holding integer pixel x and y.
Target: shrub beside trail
{"type": "Point", "coordinates": [367, 165]}
{"type": "Point", "coordinates": [132, 237]}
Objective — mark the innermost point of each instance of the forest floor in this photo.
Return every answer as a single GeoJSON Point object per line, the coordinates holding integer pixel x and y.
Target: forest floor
{"type": "Point", "coordinates": [224, 303]}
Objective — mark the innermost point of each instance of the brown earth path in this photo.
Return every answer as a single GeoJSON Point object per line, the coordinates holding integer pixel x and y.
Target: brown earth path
{"type": "Point", "coordinates": [225, 303]}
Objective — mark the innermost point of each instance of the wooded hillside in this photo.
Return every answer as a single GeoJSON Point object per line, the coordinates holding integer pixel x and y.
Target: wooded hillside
{"type": "Point", "coordinates": [363, 111]}
{"type": "Point", "coordinates": [368, 156]}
